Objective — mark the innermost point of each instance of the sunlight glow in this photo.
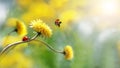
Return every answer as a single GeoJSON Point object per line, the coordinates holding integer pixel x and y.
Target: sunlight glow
{"type": "Point", "coordinates": [109, 7]}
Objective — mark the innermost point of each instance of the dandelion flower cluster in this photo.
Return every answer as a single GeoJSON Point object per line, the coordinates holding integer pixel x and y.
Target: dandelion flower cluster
{"type": "Point", "coordinates": [21, 28]}
{"type": "Point", "coordinates": [68, 52]}
{"type": "Point", "coordinates": [40, 27]}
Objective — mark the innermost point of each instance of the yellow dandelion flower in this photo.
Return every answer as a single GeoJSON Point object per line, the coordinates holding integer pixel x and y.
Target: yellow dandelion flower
{"type": "Point", "coordinates": [21, 28]}
{"type": "Point", "coordinates": [68, 52]}
{"type": "Point", "coordinates": [40, 27]}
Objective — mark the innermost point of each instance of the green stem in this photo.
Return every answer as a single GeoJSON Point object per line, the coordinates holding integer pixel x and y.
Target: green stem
{"type": "Point", "coordinates": [50, 47]}
{"type": "Point", "coordinates": [12, 32]}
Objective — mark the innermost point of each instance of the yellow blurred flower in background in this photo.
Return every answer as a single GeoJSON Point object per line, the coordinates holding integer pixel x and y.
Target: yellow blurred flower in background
{"type": "Point", "coordinates": [57, 4]}
{"type": "Point", "coordinates": [12, 39]}
{"type": "Point", "coordinates": [68, 52]}
{"type": "Point", "coordinates": [11, 22]}
{"type": "Point", "coordinates": [24, 3]}
{"type": "Point", "coordinates": [16, 60]}
{"type": "Point", "coordinates": [78, 4]}
{"type": "Point", "coordinates": [38, 10]}
{"type": "Point", "coordinates": [118, 47]}
{"type": "Point", "coordinates": [40, 27]}
{"type": "Point", "coordinates": [67, 18]}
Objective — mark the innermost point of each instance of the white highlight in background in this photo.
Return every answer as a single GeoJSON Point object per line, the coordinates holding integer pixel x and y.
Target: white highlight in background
{"type": "Point", "coordinates": [3, 12]}
{"type": "Point", "coordinates": [86, 28]}
{"type": "Point", "coordinates": [109, 7]}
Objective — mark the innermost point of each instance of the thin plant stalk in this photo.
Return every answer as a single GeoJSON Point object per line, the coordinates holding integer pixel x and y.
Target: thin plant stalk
{"type": "Point", "coordinates": [50, 47]}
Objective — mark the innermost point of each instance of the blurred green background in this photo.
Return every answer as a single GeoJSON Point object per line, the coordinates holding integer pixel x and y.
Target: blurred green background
{"type": "Point", "coordinates": [91, 27]}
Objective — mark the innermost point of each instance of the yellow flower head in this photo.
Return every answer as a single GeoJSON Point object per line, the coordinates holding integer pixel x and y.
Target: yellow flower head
{"type": "Point", "coordinates": [68, 52]}
{"type": "Point", "coordinates": [21, 28]}
{"type": "Point", "coordinates": [40, 27]}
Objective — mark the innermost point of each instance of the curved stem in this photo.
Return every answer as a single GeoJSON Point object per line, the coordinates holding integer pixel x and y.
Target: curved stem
{"type": "Point", "coordinates": [50, 47]}
{"type": "Point", "coordinates": [16, 43]}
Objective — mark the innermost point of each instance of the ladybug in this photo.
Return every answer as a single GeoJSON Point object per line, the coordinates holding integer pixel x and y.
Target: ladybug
{"type": "Point", "coordinates": [58, 22]}
{"type": "Point", "coordinates": [25, 38]}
